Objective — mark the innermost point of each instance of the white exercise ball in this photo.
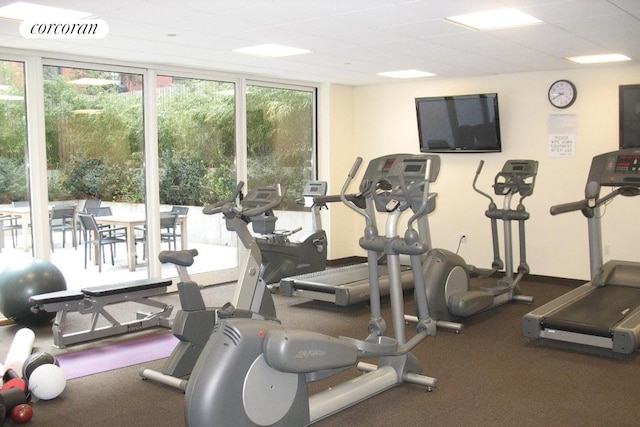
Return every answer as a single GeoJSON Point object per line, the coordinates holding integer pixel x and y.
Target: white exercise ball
{"type": "Point", "coordinates": [47, 381]}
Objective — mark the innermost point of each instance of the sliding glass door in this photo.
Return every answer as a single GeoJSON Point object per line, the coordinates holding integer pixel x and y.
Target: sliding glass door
{"type": "Point", "coordinates": [95, 151]}
{"type": "Point", "coordinates": [281, 146]}
{"type": "Point", "coordinates": [15, 229]}
{"type": "Point", "coordinates": [197, 162]}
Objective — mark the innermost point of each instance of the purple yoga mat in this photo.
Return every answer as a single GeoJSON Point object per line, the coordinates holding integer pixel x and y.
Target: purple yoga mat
{"type": "Point", "coordinates": [116, 356]}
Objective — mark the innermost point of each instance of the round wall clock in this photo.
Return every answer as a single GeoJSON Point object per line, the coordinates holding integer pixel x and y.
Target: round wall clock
{"type": "Point", "coordinates": [562, 94]}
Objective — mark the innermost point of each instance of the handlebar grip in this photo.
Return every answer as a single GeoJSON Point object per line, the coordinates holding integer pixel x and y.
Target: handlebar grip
{"type": "Point", "coordinates": [237, 191]}
{"type": "Point", "coordinates": [217, 207]}
{"type": "Point", "coordinates": [355, 167]}
{"type": "Point", "coordinates": [480, 165]}
{"type": "Point", "coordinates": [568, 207]}
{"type": "Point", "coordinates": [213, 209]}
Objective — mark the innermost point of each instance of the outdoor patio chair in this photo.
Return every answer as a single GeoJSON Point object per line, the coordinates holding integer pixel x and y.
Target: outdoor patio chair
{"type": "Point", "coordinates": [62, 219]}
{"type": "Point", "coordinates": [88, 204]}
{"type": "Point", "coordinates": [168, 221]}
{"type": "Point", "coordinates": [10, 223]}
{"type": "Point", "coordinates": [94, 236]}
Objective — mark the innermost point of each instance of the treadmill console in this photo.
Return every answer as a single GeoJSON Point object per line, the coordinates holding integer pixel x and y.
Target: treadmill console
{"type": "Point", "coordinates": [311, 190]}
{"type": "Point", "coordinates": [615, 169]}
{"type": "Point", "coordinates": [314, 188]}
{"type": "Point", "coordinates": [389, 173]}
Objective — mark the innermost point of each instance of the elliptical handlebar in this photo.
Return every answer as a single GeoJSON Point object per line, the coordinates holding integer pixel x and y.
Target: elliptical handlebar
{"type": "Point", "coordinates": [475, 180]}
{"type": "Point", "coordinates": [343, 193]}
{"type": "Point", "coordinates": [422, 210]}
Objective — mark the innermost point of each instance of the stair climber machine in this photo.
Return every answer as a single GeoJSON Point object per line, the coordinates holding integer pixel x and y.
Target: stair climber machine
{"type": "Point", "coordinates": [282, 257]}
{"type": "Point", "coordinates": [604, 312]}
{"type": "Point", "coordinates": [255, 372]}
{"type": "Point", "coordinates": [194, 323]}
{"type": "Point", "coordinates": [447, 275]}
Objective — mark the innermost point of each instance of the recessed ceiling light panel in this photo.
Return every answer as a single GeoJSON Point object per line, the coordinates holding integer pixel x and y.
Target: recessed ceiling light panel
{"type": "Point", "coordinates": [598, 59]}
{"type": "Point", "coordinates": [23, 11]}
{"type": "Point", "coordinates": [271, 50]}
{"type": "Point", "coordinates": [494, 19]}
{"type": "Point", "coordinates": [406, 74]}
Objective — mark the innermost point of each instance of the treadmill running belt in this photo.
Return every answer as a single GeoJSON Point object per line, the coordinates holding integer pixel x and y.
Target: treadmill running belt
{"type": "Point", "coordinates": [597, 312]}
{"type": "Point", "coordinates": [342, 276]}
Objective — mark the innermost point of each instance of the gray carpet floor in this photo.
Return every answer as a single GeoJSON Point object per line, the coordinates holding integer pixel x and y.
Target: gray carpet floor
{"type": "Point", "coordinates": [489, 375]}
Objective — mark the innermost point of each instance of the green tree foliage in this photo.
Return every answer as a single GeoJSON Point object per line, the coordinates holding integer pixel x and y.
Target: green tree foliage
{"type": "Point", "coordinates": [279, 139]}
{"type": "Point", "coordinates": [13, 180]}
{"type": "Point", "coordinates": [95, 139]}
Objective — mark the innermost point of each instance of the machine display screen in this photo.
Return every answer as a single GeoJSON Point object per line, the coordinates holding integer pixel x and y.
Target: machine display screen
{"type": "Point", "coordinates": [628, 163]}
{"type": "Point", "coordinates": [415, 167]}
{"type": "Point", "coordinates": [388, 164]}
{"type": "Point", "coordinates": [263, 195]}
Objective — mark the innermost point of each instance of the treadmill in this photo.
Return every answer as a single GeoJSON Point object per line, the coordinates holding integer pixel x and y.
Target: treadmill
{"type": "Point", "coordinates": [342, 286]}
{"type": "Point", "coordinates": [349, 285]}
{"type": "Point", "coordinates": [604, 312]}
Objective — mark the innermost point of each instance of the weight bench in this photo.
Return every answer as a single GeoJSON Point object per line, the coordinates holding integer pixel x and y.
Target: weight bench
{"type": "Point", "coordinates": [94, 300]}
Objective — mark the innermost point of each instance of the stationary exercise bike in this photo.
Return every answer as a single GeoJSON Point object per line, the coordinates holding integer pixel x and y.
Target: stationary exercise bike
{"type": "Point", "coordinates": [447, 275]}
{"type": "Point", "coordinates": [194, 323]}
{"type": "Point", "coordinates": [282, 257]}
{"type": "Point", "coordinates": [255, 372]}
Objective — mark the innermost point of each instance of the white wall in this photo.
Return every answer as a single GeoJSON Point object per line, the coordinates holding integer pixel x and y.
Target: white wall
{"type": "Point", "coordinates": [384, 121]}
{"type": "Point", "coordinates": [337, 153]}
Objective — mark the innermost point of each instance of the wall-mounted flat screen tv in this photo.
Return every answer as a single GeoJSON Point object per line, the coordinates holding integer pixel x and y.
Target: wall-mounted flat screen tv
{"type": "Point", "coordinates": [459, 124]}
{"type": "Point", "coordinates": [629, 116]}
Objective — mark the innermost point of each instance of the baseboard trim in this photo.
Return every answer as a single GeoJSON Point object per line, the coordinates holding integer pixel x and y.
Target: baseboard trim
{"type": "Point", "coordinates": [553, 280]}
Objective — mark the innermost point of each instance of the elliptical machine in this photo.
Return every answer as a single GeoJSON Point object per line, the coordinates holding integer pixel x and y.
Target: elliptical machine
{"type": "Point", "coordinates": [255, 372]}
{"type": "Point", "coordinates": [194, 322]}
{"type": "Point", "coordinates": [282, 257]}
{"type": "Point", "coordinates": [447, 275]}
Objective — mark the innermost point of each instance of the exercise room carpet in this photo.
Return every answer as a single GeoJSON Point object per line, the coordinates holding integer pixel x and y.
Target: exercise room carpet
{"type": "Point", "coordinates": [490, 375]}
{"type": "Point", "coordinates": [115, 356]}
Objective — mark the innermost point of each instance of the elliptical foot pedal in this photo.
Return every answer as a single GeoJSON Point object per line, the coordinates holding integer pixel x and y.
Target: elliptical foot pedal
{"type": "Point", "coordinates": [498, 288]}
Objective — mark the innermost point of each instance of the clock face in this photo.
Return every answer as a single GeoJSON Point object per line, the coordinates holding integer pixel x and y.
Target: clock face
{"type": "Point", "coordinates": [562, 94]}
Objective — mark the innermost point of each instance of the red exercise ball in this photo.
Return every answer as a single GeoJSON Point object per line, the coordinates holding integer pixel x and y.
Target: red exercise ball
{"type": "Point", "coordinates": [22, 413]}
{"type": "Point", "coordinates": [15, 383]}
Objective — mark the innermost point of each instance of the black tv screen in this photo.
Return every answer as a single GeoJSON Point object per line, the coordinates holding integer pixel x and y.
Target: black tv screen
{"type": "Point", "coordinates": [462, 123]}
{"type": "Point", "coordinates": [629, 98]}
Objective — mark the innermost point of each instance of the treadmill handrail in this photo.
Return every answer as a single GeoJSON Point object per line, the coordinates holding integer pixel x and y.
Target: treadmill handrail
{"type": "Point", "coordinates": [587, 204]}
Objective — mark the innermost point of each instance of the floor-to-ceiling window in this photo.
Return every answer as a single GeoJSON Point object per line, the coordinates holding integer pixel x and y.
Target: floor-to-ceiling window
{"type": "Point", "coordinates": [106, 126]}
{"type": "Point", "coordinates": [15, 230]}
{"type": "Point", "coordinates": [281, 141]}
{"type": "Point", "coordinates": [95, 150]}
{"type": "Point", "coordinates": [197, 161]}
